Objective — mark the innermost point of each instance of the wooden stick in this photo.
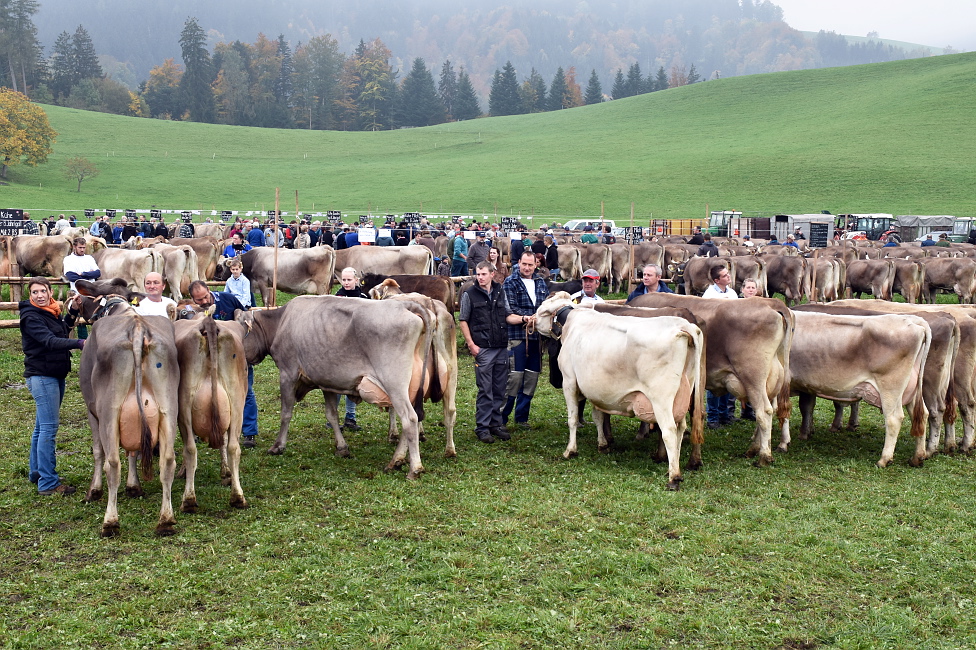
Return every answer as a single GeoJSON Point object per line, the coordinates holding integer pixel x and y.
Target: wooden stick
{"type": "Point", "coordinates": [633, 266]}
{"type": "Point", "coordinates": [274, 273]}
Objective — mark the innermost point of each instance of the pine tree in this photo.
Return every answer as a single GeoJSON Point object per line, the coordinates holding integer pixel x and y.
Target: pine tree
{"type": "Point", "coordinates": [196, 92]}
{"type": "Point", "coordinates": [420, 105]}
{"type": "Point", "coordinates": [318, 65]}
{"type": "Point", "coordinates": [557, 91]}
{"type": "Point", "coordinates": [594, 92]}
{"type": "Point", "coordinates": [280, 112]}
{"type": "Point", "coordinates": [661, 83]}
{"type": "Point", "coordinates": [693, 75]}
{"type": "Point", "coordinates": [85, 60]}
{"type": "Point", "coordinates": [619, 90]}
{"type": "Point", "coordinates": [574, 94]}
{"type": "Point", "coordinates": [62, 66]}
{"type": "Point", "coordinates": [20, 51]}
{"type": "Point", "coordinates": [504, 98]}
{"type": "Point", "coordinates": [466, 106]}
{"type": "Point", "coordinates": [447, 87]}
{"type": "Point", "coordinates": [635, 81]}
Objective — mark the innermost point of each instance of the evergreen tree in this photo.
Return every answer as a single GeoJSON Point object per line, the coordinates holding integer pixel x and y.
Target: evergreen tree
{"type": "Point", "coordinates": [420, 105]}
{"type": "Point", "coordinates": [231, 88]}
{"type": "Point", "coordinates": [635, 81]}
{"type": "Point", "coordinates": [466, 106]}
{"type": "Point", "coordinates": [693, 75]}
{"type": "Point", "coordinates": [196, 92]}
{"type": "Point", "coordinates": [280, 112]}
{"type": "Point", "coordinates": [318, 65]}
{"type": "Point", "coordinates": [661, 83]}
{"type": "Point", "coordinates": [369, 88]}
{"type": "Point", "coordinates": [161, 91]}
{"type": "Point", "coordinates": [447, 87]}
{"type": "Point", "coordinates": [619, 89]}
{"type": "Point", "coordinates": [557, 91]}
{"type": "Point", "coordinates": [20, 51]}
{"type": "Point", "coordinates": [85, 60]}
{"type": "Point", "coordinates": [534, 93]}
{"type": "Point", "coordinates": [504, 98]}
{"type": "Point", "coordinates": [62, 66]}
{"type": "Point", "coordinates": [594, 92]}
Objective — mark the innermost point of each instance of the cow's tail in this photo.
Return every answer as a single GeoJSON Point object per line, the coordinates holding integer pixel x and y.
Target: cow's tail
{"type": "Point", "coordinates": [919, 414]}
{"type": "Point", "coordinates": [429, 324]}
{"type": "Point", "coordinates": [698, 398]}
{"type": "Point", "coordinates": [951, 403]}
{"type": "Point", "coordinates": [783, 403]}
{"type": "Point", "coordinates": [216, 433]}
{"type": "Point", "coordinates": [140, 341]}
{"type": "Point", "coordinates": [431, 269]}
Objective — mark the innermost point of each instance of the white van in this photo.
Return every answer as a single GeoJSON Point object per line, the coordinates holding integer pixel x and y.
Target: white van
{"type": "Point", "coordinates": [579, 224]}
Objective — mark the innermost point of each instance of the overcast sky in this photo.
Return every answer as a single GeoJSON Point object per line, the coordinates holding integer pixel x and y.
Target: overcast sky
{"type": "Point", "coordinates": [936, 23]}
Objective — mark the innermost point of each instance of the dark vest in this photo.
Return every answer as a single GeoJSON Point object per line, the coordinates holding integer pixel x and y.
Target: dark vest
{"type": "Point", "coordinates": [487, 319]}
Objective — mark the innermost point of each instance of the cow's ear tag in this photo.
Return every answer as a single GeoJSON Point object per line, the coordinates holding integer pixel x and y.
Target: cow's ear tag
{"type": "Point", "coordinates": [102, 302]}
{"type": "Point", "coordinates": [210, 310]}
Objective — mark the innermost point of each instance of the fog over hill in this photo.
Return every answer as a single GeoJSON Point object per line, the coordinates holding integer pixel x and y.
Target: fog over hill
{"type": "Point", "coordinates": [719, 37]}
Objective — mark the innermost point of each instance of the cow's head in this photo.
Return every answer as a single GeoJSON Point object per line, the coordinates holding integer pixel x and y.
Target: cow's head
{"type": "Point", "coordinates": [546, 320]}
{"type": "Point", "coordinates": [105, 297]}
{"type": "Point", "coordinates": [385, 289]}
{"type": "Point", "coordinates": [260, 328]}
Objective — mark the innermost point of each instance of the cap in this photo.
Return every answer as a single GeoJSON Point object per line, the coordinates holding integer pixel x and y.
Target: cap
{"type": "Point", "coordinates": [587, 228]}
{"type": "Point", "coordinates": [591, 273]}
{"type": "Point", "coordinates": [481, 233]}
{"type": "Point", "coordinates": [746, 237]}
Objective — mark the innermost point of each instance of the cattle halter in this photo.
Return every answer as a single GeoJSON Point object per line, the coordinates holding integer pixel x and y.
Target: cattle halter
{"type": "Point", "coordinates": [559, 320]}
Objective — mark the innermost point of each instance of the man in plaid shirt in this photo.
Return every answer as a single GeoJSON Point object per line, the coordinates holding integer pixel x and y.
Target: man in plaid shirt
{"type": "Point", "coordinates": [525, 292]}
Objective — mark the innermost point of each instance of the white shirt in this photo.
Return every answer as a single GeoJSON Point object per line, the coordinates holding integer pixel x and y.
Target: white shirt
{"type": "Point", "coordinates": [530, 287]}
{"type": "Point", "coordinates": [714, 292]}
{"type": "Point", "coordinates": [78, 264]}
{"type": "Point", "coordinates": [240, 288]}
{"type": "Point", "coordinates": [584, 298]}
{"type": "Point", "coordinates": [148, 307]}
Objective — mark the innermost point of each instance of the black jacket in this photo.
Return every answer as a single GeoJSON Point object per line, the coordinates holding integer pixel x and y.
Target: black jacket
{"type": "Point", "coordinates": [487, 320]}
{"type": "Point", "coordinates": [47, 348]}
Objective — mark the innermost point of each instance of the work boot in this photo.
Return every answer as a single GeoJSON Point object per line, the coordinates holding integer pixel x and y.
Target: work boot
{"type": "Point", "coordinates": [63, 489]}
{"type": "Point", "coordinates": [484, 437]}
{"type": "Point", "coordinates": [350, 425]}
{"type": "Point", "coordinates": [501, 433]}
{"type": "Point", "coordinates": [249, 442]}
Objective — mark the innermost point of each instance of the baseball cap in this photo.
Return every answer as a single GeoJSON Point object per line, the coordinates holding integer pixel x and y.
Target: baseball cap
{"type": "Point", "coordinates": [481, 233]}
{"type": "Point", "coordinates": [591, 273]}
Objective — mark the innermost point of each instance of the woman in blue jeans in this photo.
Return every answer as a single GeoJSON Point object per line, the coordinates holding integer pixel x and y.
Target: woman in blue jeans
{"type": "Point", "coordinates": [47, 361]}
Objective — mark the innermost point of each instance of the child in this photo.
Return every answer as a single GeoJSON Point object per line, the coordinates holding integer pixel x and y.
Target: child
{"type": "Point", "coordinates": [237, 285]}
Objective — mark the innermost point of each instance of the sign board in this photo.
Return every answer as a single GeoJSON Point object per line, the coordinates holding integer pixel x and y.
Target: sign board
{"type": "Point", "coordinates": [130, 214]}
{"type": "Point", "coordinates": [226, 214]}
{"type": "Point", "coordinates": [367, 235]}
{"type": "Point", "coordinates": [385, 232]}
{"type": "Point", "coordinates": [635, 235]}
{"type": "Point", "coordinates": [390, 220]}
{"type": "Point", "coordinates": [457, 219]}
{"type": "Point", "coordinates": [510, 224]}
{"type": "Point", "coordinates": [411, 217]}
{"type": "Point", "coordinates": [334, 216]}
{"type": "Point", "coordinates": [155, 214]}
{"type": "Point", "coordinates": [11, 221]}
{"type": "Point", "coordinates": [819, 232]}
{"type": "Point", "coordinates": [186, 216]}
{"type": "Point", "coordinates": [110, 213]}
{"type": "Point", "coordinates": [89, 213]}
{"type": "Point", "coordinates": [364, 219]}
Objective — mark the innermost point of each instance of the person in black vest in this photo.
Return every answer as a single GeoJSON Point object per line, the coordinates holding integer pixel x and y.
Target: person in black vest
{"type": "Point", "coordinates": [484, 314]}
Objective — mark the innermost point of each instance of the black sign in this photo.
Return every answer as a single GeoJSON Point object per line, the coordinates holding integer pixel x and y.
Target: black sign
{"type": "Point", "coordinates": [186, 216]}
{"type": "Point", "coordinates": [334, 216]}
{"type": "Point", "coordinates": [509, 224]}
{"type": "Point", "coordinates": [130, 214]}
{"type": "Point", "coordinates": [89, 213]}
{"type": "Point", "coordinates": [457, 219]}
{"type": "Point", "coordinates": [365, 219]}
{"type": "Point", "coordinates": [818, 234]}
{"type": "Point", "coordinates": [634, 235]}
{"type": "Point", "coordinates": [411, 217]}
{"type": "Point", "coordinates": [155, 214]}
{"type": "Point", "coordinates": [390, 220]}
{"type": "Point", "coordinates": [110, 213]}
{"type": "Point", "coordinates": [272, 214]}
{"type": "Point", "coordinates": [11, 221]}
{"type": "Point", "coordinates": [226, 214]}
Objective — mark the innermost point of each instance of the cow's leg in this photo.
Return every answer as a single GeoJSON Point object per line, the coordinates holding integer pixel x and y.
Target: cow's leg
{"type": "Point", "coordinates": [409, 439]}
{"type": "Point", "coordinates": [761, 440]}
{"type": "Point", "coordinates": [672, 442]}
{"type": "Point", "coordinates": [967, 411]}
{"type": "Point", "coordinates": [854, 421]}
{"type": "Point", "coordinates": [288, 389]}
{"type": "Point", "coordinates": [893, 414]}
{"type": "Point", "coordinates": [95, 488]}
{"type": "Point", "coordinates": [167, 471]}
{"type": "Point", "coordinates": [936, 412]}
{"type": "Point", "coordinates": [807, 402]}
{"type": "Point", "coordinates": [189, 462]}
{"type": "Point", "coordinates": [332, 415]}
{"type": "Point", "coordinates": [838, 422]}
{"type": "Point", "coordinates": [133, 489]}
{"type": "Point", "coordinates": [112, 466]}
{"type": "Point", "coordinates": [603, 437]}
{"type": "Point", "coordinates": [232, 452]}
{"type": "Point", "coordinates": [571, 395]}
{"type": "Point", "coordinates": [450, 410]}
{"type": "Point", "coordinates": [393, 433]}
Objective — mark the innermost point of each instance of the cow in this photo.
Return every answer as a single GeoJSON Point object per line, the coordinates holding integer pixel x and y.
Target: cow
{"type": "Point", "coordinates": [647, 253]}
{"type": "Point", "coordinates": [909, 279]}
{"type": "Point", "coordinates": [388, 260]}
{"type": "Point", "coordinates": [825, 278]}
{"type": "Point", "coordinates": [378, 354]}
{"type": "Point", "coordinates": [696, 273]}
{"type": "Point", "coordinates": [891, 350]}
{"type": "Point", "coordinates": [949, 274]}
{"type": "Point", "coordinates": [748, 267]}
{"type": "Point", "coordinates": [620, 268]}
{"type": "Point", "coordinates": [648, 368]}
{"type": "Point", "coordinates": [218, 231]}
{"type": "Point", "coordinates": [570, 262]}
{"type": "Point", "coordinates": [208, 251]}
{"type": "Point", "coordinates": [179, 268]}
{"type": "Point", "coordinates": [871, 276]}
{"type": "Point", "coordinates": [786, 274]}
{"type": "Point", "coordinates": [212, 388]}
{"type": "Point", "coordinates": [747, 354]}
{"type": "Point", "coordinates": [39, 255]}
{"type": "Point", "coordinates": [937, 387]}
{"type": "Point", "coordinates": [304, 270]}
{"type": "Point", "coordinates": [596, 256]}
{"type": "Point", "coordinates": [436, 287]}
{"type": "Point", "coordinates": [129, 377]}
{"type": "Point", "coordinates": [131, 265]}
{"type": "Point", "coordinates": [445, 363]}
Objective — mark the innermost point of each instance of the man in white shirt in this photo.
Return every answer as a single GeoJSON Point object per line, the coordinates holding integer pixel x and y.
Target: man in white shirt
{"type": "Point", "coordinates": [155, 303]}
{"type": "Point", "coordinates": [80, 266]}
{"type": "Point", "coordinates": [720, 289]}
{"type": "Point", "coordinates": [591, 280]}
{"type": "Point", "coordinates": [720, 409]}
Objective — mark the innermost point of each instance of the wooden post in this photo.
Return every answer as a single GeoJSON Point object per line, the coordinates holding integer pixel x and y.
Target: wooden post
{"type": "Point", "coordinates": [16, 289]}
{"type": "Point", "coordinates": [274, 273]}
{"type": "Point", "coordinates": [633, 267]}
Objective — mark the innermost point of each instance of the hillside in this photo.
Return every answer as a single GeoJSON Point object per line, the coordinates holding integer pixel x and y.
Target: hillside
{"type": "Point", "coordinates": [894, 137]}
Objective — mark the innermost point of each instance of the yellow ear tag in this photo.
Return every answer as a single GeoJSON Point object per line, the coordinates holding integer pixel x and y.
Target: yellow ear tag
{"type": "Point", "coordinates": [210, 310]}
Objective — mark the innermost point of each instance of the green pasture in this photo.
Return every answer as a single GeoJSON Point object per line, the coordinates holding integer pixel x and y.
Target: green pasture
{"type": "Point", "coordinates": [506, 546]}
{"type": "Point", "coordinates": [894, 137]}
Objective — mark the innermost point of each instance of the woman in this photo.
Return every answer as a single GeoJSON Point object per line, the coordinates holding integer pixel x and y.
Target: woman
{"type": "Point", "coordinates": [501, 268]}
{"type": "Point", "coordinates": [47, 361]}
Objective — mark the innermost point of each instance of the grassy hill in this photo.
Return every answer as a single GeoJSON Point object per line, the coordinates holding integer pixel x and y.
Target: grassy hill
{"type": "Point", "coordinates": [894, 137]}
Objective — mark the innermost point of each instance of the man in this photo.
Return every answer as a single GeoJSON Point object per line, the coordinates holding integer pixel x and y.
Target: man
{"type": "Point", "coordinates": [943, 241]}
{"type": "Point", "coordinates": [349, 279]}
{"type": "Point", "coordinates": [477, 252]}
{"type": "Point", "coordinates": [78, 265]}
{"type": "Point", "coordinates": [237, 246]}
{"type": "Point", "coordinates": [591, 280]}
{"type": "Point", "coordinates": [224, 305]}
{"type": "Point", "coordinates": [697, 239]}
{"type": "Point", "coordinates": [890, 242]}
{"type": "Point", "coordinates": [651, 276]}
{"type": "Point", "coordinates": [160, 229]}
{"type": "Point", "coordinates": [747, 241]}
{"type": "Point", "coordinates": [588, 236]}
{"type": "Point", "coordinates": [273, 235]}
{"type": "Point", "coordinates": [708, 247]}
{"type": "Point", "coordinates": [155, 303]}
{"type": "Point", "coordinates": [314, 234]}
{"type": "Point", "coordinates": [459, 260]}
{"type": "Point", "coordinates": [185, 230]}
{"type": "Point", "coordinates": [720, 409]}
{"type": "Point", "coordinates": [60, 226]}
{"type": "Point", "coordinates": [105, 229]}
{"type": "Point", "coordinates": [255, 236]}
{"type": "Point", "coordinates": [928, 241]}
{"type": "Point", "coordinates": [327, 237]}
{"type": "Point", "coordinates": [791, 241]}
{"type": "Point", "coordinates": [525, 293]}
{"type": "Point", "coordinates": [484, 314]}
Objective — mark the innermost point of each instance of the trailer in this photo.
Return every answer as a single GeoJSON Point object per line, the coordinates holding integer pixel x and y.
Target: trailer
{"type": "Point", "coordinates": [913, 226]}
{"type": "Point", "coordinates": [817, 229]}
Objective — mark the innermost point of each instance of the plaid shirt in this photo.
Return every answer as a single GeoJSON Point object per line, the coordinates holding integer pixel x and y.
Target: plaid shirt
{"type": "Point", "coordinates": [521, 304]}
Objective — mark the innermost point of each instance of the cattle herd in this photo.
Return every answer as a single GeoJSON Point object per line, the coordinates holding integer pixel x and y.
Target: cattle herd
{"type": "Point", "coordinates": [144, 378]}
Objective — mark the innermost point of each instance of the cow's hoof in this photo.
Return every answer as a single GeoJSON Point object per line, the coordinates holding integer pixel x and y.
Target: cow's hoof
{"type": "Point", "coordinates": [92, 495]}
{"type": "Point", "coordinates": [674, 484]}
{"type": "Point", "coordinates": [450, 453]}
{"type": "Point", "coordinates": [763, 461]}
{"type": "Point", "coordinates": [189, 505]}
{"type": "Point", "coordinates": [134, 492]}
{"type": "Point", "coordinates": [422, 436]}
{"type": "Point", "coordinates": [238, 501]}
{"type": "Point", "coordinates": [609, 438]}
{"type": "Point", "coordinates": [570, 454]}
{"type": "Point", "coordinates": [166, 530]}
{"type": "Point", "coordinates": [604, 449]}
{"type": "Point", "coordinates": [782, 448]}
{"type": "Point", "coordinates": [833, 429]}
{"type": "Point", "coordinates": [413, 476]}
{"type": "Point", "coordinates": [225, 481]}
{"type": "Point", "coordinates": [276, 451]}
{"type": "Point", "coordinates": [882, 463]}
{"type": "Point", "coordinates": [750, 453]}
{"type": "Point", "coordinates": [110, 529]}
{"type": "Point", "coordinates": [853, 427]}
{"type": "Point", "coordinates": [393, 439]}
{"type": "Point", "coordinates": [916, 461]}
{"type": "Point", "coordinates": [694, 465]}
{"type": "Point", "coordinates": [343, 452]}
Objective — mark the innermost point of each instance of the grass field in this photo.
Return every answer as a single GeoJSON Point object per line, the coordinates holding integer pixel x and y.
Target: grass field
{"type": "Point", "coordinates": [506, 546]}
{"type": "Point", "coordinates": [892, 137]}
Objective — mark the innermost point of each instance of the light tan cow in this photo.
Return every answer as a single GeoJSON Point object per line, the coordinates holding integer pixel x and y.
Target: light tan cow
{"type": "Point", "coordinates": [595, 256]}
{"type": "Point", "coordinates": [957, 275]}
{"type": "Point", "coordinates": [305, 270]}
{"type": "Point", "coordinates": [872, 276]}
{"type": "Point", "coordinates": [388, 260]}
{"type": "Point", "coordinates": [208, 251]}
{"type": "Point", "coordinates": [180, 268]}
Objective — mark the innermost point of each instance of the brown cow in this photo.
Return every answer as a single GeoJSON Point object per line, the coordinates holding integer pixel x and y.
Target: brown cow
{"type": "Point", "coordinates": [871, 276]}
{"type": "Point", "coordinates": [131, 265]}
{"type": "Point", "coordinates": [957, 275]}
{"type": "Point", "coordinates": [208, 251]}
{"type": "Point", "coordinates": [786, 274]}
{"type": "Point", "coordinates": [696, 273]}
{"type": "Point", "coordinates": [180, 268]}
{"type": "Point", "coordinates": [595, 256]}
{"type": "Point", "coordinates": [304, 270]}
{"type": "Point", "coordinates": [620, 268]}
{"type": "Point", "coordinates": [747, 354]}
{"type": "Point", "coordinates": [570, 263]}
{"type": "Point", "coordinates": [436, 287]}
{"type": "Point", "coordinates": [909, 279]}
{"type": "Point", "coordinates": [647, 253]}
{"type": "Point", "coordinates": [388, 260]}
{"type": "Point", "coordinates": [213, 385]}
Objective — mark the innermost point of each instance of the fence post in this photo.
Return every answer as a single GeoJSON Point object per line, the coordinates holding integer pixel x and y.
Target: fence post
{"type": "Point", "coordinates": [16, 289]}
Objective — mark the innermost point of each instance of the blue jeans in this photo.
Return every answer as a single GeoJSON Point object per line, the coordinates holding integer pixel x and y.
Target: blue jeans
{"type": "Point", "coordinates": [720, 408]}
{"type": "Point", "coordinates": [250, 427]}
{"type": "Point", "coordinates": [47, 393]}
{"type": "Point", "coordinates": [459, 268]}
{"type": "Point", "coordinates": [350, 409]}
{"type": "Point", "coordinates": [525, 358]}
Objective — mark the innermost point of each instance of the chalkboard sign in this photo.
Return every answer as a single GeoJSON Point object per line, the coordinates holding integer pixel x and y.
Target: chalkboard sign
{"type": "Point", "coordinates": [457, 219]}
{"type": "Point", "coordinates": [334, 216]}
{"type": "Point", "coordinates": [411, 217]}
{"type": "Point", "coordinates": [365, 219]}
{"type": "Point", "coordinates": [155, 214]}
{"type": "Point", "coordinates": [110, 213]}
{"type": "Point", "coordinates": [130, 214]}
{"type": "Point", "coordinates": [226, 214]}
{"type": "Point", "coordinates": [390, 221]}
{"type": "Point", "coordinates": [634, 235]}
{"type": "Point", "coordinates": [509, 224]}
{"type": "Point", "coordinates": [818, 234]}
{"type": "Point", "coordinates": [89, 213]}
{"type": "Point", "coordinates": [11, 221]}
{"type": "Point", "coordinates": [186, 216]}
